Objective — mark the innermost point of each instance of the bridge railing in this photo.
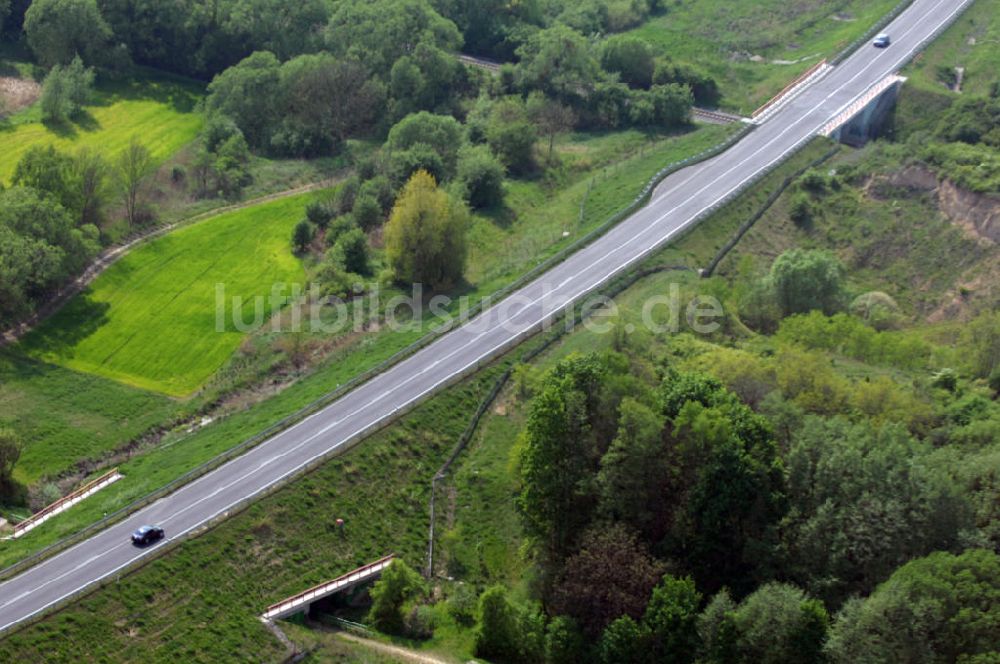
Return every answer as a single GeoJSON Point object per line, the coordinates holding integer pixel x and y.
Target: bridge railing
{"type": "Point", "coordinates": [322, 589]}
{"type": "Point", "coordinates": [795, 82]}
{"type": "Point", "coordinates": [65, 502]}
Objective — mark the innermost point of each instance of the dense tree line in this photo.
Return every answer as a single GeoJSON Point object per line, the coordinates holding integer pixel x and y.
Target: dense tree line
{"type": "Point", "coordinates": [300, 79]}
{"type": "Point", "coordinates": [672, 522]}
{"type": "Point", "coordinates": [761, 507]}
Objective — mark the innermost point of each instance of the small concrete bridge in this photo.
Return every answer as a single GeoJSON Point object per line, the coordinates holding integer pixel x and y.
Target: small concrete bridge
{"type": "Point", "coordinates": [861, 121]}
{"type": "Point", "coordinates": [301, 602]}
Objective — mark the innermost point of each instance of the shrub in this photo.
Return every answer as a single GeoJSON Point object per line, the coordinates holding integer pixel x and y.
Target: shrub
{"type": "Point", "coordinates": [379, 188]}
{"type": "Point", "coordinates": [338, 227]}
{"type": "Point", "coordinates": [351, 251]}
{"type": "Point", "coordinates": [319, 213]}
{"type": "Point", "coordinates": [462, 605]}
{"type": "Point", "coordinates": [481, 177]}
{"type": "Point", "coordinates": [66, 90]}
{"type": "Point", "coordinates": [367, 212]}
{"type": "Point", "coordinates": [496, 636]}
{"type": "Point", "coordinates": [343, 199]}
{"type": "Point", "coordinates": [10, 452]}
{"type": "Point", "coordinates": [419, 623]}
{"type": "Point", "coordinates": [945, 379]}
{"type": "Point", "coordinates": [801, 210]}
{"type": "Point", "coordinates": [419, 157]}
{"type": "Point", "coordinates": [302, 235]}
{"type": "Point", "coordinates": [813, 181]}
{"type": "Point", "coordinates": [806, 280]}
{"type": "Point", "coordinates": [877, 309]}
{"type": "Point", "coordinates": [629, 57]}
{"type": "Point", "coordinates": [398, 584]}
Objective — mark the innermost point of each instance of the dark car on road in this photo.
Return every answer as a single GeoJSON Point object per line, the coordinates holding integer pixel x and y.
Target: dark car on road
{"type": "Point", "coordinates": [147, 535]}
{"type": "Point", "coordinates": [881, 41]}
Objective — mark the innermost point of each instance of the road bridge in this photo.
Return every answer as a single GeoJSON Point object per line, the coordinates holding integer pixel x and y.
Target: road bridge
{"type": "Point", "coordinates": [301, 602]}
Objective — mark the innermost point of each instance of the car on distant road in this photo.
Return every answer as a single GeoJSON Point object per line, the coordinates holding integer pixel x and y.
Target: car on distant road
{"type": "Point", "coordinates": [881, 40]}
{"type": "Point", "coordinates": [147, 535]}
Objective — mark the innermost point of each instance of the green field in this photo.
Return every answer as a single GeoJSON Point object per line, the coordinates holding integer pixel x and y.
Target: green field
{"type": "Point", "coordinates": [64, 416]}
{"type": "Point", "coordinates": [150, 319]}
{"type": "Point", "coordinates": [787, 36]}
{"type": "Point", "coordinates": [157, 110]}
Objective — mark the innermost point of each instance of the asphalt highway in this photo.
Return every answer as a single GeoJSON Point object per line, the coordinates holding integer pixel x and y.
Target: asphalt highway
{"type": "Point", "coordinates": [680, 201]}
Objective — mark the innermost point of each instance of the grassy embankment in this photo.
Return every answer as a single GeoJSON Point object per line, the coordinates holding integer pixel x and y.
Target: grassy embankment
{"type": "Point", "coordinates": [970, 44]}
{"type": "Point", "coordinates": [285, 542]}
{"type": "Point", "coordinates": [200, 602]}
{"type": "Point", "coordinates": [546, 211]}
{"type": "Point", "coordinates": [784, 38]}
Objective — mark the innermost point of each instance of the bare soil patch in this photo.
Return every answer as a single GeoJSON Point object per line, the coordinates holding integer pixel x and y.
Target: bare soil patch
{"type": "Point", "coordinates": [18, 93]}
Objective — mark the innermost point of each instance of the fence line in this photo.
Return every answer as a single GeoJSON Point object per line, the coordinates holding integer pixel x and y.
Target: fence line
{"type": "Point", "coordinates": [754, 218]}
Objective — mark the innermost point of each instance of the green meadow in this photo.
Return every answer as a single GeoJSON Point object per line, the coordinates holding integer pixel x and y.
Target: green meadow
{"type": "Point", "coordinates": [65, 417]}
{"type": "Point", "coordinates": [159, 110]}
{"type": "Point", "coordinates": [150, 320]}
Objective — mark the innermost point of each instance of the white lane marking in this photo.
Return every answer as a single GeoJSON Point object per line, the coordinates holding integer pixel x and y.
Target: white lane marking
{"type": "Point", "coordinates": [639, 257]}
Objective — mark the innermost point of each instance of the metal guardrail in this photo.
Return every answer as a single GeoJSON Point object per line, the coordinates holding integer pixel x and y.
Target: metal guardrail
{"type": "Point", "coordinates": [716, 117]}
{"type": "Point", "coordinates": [872, 31]}
{"type": "Point", "coordinates": [321, 590]}
{"type": "Point", "coordinates": [798, 80]}
{"type": "Point", "coordinates": [66, 502]}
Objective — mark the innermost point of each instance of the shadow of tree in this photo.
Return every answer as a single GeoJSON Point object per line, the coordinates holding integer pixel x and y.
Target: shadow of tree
{"type": "Point", "coordinates": [502, 216]}
{"type": "Point", "coordinates": [77, 320]}
{"type": "Point", "coordinates": [85, 120]}
{"type": "Point", "coordinates": [181, 94]}
{"type": "Point", "coordinates": [61, 128]}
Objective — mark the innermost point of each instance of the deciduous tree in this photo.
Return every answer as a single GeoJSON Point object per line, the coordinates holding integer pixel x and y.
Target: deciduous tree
{"type": "Point", "coordinates": [397, 584]}
{"type": "Point", "coordinates": [133, 166]}
{"type": "Point", "coordinates": [59, 30]}
{"type": "Point", "coordinates": [10, 452]}
{"type": "Point", "coordinates": [942, 608]}
{"type": "Point", "coordinates": [425, 236]}
{"type": "Point", "coordinates": [481, 177]}
{"type": "Point", "coordinates": [629, 57]}
{"type": "Point", "coordinates": [497, 633]}
{"type": "Point", "coordinates": [611, 576]}
{"type": "Point", "coordinates": [805, 280]}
